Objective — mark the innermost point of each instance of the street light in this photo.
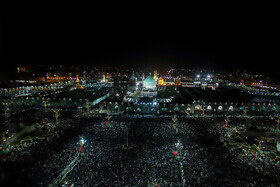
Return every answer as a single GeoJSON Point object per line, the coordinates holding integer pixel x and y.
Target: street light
{"type": "Point", "coordinates": [82, 141]}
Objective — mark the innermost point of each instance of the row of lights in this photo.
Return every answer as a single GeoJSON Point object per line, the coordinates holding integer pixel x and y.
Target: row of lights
{"type": "Point", "coordinates": [198, 76]}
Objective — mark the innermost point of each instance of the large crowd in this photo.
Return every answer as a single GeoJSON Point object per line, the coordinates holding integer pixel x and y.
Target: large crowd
{"type": "Point", "coordinates": [150, 158]}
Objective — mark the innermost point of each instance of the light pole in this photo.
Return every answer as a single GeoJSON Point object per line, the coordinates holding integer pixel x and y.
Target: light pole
{"type": "Point", "coordinates": [6, 109]}
{"type": "Point", "coordinates": [179, 147]}
{"type": "Point", "coordinates": [108, 117]}
{"type": "Point", "coordinates": [245, 110]}
{"type": "Point", "coordinates": [56, 115]}
{"type": "Point", "coordinates": [45, 104]}
{"type": "Point", "coordinates": [175, 119]}
{"type": "Point", "coordinates": [127, 137]}
{"type": "Point", "coordinates": [126, 144]}
{"type": "Point", "coordinates": [259, 146]}
{"type": "Point", "coordinates": [82, 141]}
{"type": "Point", "coordinates": [203, 110]}
{"type": "Point", "coordinates": [88, 105]}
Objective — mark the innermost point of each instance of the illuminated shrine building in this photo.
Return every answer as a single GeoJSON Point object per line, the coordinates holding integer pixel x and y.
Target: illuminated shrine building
{"type": "Point", "coordinates": [161, 81]}
{"type": "Point", "coordinates": [149, 83]}
{"type": "Point", "coordinates": [149, 87]}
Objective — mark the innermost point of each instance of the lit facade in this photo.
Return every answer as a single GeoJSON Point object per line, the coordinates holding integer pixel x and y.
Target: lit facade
{"type": "Point", "coordinates": [149, 83]}
{"type": "Point", "coordinates": [161, 81]}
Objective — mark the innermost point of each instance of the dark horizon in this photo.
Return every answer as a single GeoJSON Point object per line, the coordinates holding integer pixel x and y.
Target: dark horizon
{"type": "Point", "coordinates": [47, 41]}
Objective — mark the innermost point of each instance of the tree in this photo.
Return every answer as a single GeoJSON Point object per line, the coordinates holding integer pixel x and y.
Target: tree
{"type": "Point", "coordinates": [227, 120]}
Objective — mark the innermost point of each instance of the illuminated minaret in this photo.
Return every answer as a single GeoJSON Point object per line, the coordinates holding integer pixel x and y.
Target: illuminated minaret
{"type": "Point", "coordinates": [104, 77]}
{"type": "Point", "coordinates": [155, 75]}
{"type": "Point", "coordinates": [78, 80]}
{"type": "Point", "coordinates": [143, 76]}
{"type": "Point", "coordinates": [132, 75]}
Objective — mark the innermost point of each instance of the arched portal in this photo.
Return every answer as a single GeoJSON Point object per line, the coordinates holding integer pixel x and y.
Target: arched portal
{"type": "Point", "coordinates": [253, 108]}
{"type": "Point", "coordinates": [197, 107]}
{"type": "Point", "coordinates": [220, 108]}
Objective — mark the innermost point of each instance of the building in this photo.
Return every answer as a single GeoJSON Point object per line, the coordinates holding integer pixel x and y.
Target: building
{"type": "Point", "coordinates": [149, 83]}
{"type": "Point", "coordinates": [161, 81]}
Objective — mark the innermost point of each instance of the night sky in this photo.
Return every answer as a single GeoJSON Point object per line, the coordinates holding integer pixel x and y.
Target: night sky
{"type": "Point", "coordinates": [70, 40]}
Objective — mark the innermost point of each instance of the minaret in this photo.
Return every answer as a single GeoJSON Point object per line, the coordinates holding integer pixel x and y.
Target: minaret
{"type": "Point", "coordinates": [104, 77]}
{"type": "Point", "coordinates": [132, 75]}
{"type": "Point", "coordinates": [143, 76]}
{"type": "Point", "coordinates": [155, 75]}
{"type": "Point", "coordinates": [78, 80]}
